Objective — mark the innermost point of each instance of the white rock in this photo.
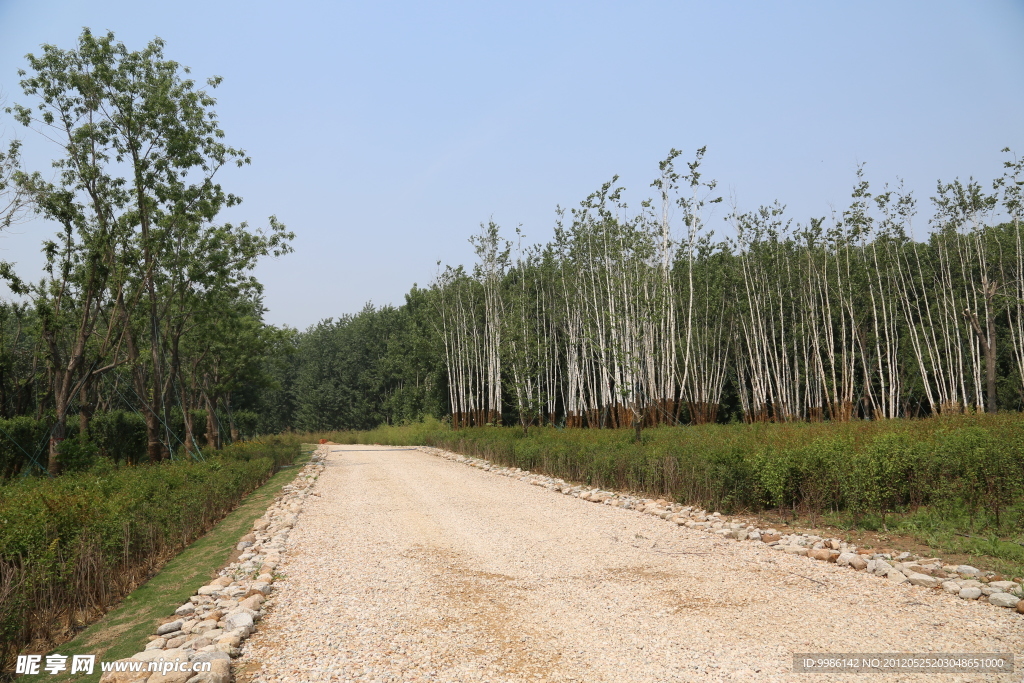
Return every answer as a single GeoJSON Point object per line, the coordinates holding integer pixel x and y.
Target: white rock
{"type": "Point", "coordinates": [204, 626]}
{"type": "Point", "coordinates": [922, 580]}
{"type": "Point", "coordinates": [967, 569]}
{"type": "Point", "coordinates": [242, 610]}
{"type": "Point", "coordinates": [1004, 586]}
{"type": "Point", "coordinates": [169, 627]}
{"type": "Point", "coordinates": [845, 559]}
{"type": "Point", "coordinates": [220, 673]}
{"type": "Point", "coordinates": [166, 655]}
{"type": "Point", "coordinates": [969, 593]}
{"type": "Point", "coordinates": [211, 657]}
{"type": "Point", "coordinates": [951, 587]}
{"type": "Point", "coordinates": [1003, 600]}
{"type": "Point", "coordinates": [238, 620]}
{"type": "Point", "coordinates": [895, 575]}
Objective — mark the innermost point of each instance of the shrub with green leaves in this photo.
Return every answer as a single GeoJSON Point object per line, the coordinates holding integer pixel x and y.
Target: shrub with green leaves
{"type": "Point", "coordinates": [71, 546]}
{"type": "Point", "coordinates": [22, 445]}
{"type": "Point", "coordinates": [119, 435]}
{"type": "Point", "coordinates": [78, 454]}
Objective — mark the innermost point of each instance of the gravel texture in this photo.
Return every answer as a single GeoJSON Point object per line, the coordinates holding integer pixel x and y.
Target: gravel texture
{"type": "Point", "coordinates": [404, 566]}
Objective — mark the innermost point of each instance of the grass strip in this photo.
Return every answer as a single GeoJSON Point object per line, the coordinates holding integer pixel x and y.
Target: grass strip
{"type": "Point", "coordinates": [125, 629]}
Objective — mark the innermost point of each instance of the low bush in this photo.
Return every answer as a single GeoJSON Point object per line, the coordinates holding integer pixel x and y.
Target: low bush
{"type": "Point", "coordinates": [119, 435]}
{"type": "Point", "coordinates": [23, 444]}
{"type": "Point", "coordinates": [73, 545]}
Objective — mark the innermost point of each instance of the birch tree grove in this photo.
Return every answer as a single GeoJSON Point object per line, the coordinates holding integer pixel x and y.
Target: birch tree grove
{"type": "Point", "coordinates": [1012, 267]}
{"type": "Point", "coordinates": [638, 318]}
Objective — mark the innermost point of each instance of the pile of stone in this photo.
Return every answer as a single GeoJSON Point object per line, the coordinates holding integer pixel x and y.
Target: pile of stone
{"type": "Point", "coordinates": [964, 581]}
{"type": "Point", "coordinates": [211, 626]}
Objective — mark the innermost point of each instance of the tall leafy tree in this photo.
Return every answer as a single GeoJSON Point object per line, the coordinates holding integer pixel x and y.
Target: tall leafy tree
{"type": "Point", "coordinates": [138, 200]}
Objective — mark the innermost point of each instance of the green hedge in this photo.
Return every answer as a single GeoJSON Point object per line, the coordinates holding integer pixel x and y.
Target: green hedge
{"type": "Point", "coordinates": [71, 546]}
{"type": "Point", "coordinates": [23, 444]}
{"type": "Point", "coordinates": [119, 435]}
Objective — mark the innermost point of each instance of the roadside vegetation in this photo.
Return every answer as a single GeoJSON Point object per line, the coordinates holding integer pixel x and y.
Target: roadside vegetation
{"type": "Point", "coordinates": [73, 546]}
{"type": "Point", "coordinates": [125, 629]}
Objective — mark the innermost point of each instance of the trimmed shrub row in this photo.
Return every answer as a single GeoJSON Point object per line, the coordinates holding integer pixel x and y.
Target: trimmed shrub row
{"type": "Point", "coordinates": [71, 546]}
{"type": "Point", "coordinates": [119, 435]}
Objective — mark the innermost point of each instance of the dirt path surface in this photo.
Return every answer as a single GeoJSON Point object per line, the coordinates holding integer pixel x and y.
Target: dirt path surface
{"type": "Point", "coordinates": [411, 567]}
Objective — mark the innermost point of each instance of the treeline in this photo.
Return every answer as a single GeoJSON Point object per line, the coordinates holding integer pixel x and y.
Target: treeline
{"type": "Point", "coordinates": [147, 309]}
{"type": "Point", "coordinates": [117, 436]}
{"type": "Point", "coordinates": [626, 318]}
{"type": "Point", "coordinates": [637, 318]}
{"type": "Point", "coordinates": [379, 366]}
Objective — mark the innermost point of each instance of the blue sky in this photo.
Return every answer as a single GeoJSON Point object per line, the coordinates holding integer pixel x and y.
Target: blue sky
{"type": "Point", "coordinates": [383, 133]}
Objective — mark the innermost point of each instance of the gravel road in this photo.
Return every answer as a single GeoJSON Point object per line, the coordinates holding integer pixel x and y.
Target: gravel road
{"type": "Point", "coordinates": [411, 567]}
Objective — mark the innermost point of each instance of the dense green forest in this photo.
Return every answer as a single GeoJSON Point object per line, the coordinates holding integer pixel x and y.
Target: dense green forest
{"type": "Point", "coordinates": [144, 336]}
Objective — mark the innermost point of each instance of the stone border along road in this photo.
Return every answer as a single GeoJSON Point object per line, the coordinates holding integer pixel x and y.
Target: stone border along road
{"type": "Point", "coordinates": [405, 567]}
